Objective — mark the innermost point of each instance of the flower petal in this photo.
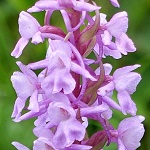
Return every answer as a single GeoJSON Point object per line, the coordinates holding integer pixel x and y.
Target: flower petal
{"type": "Point", "coordinates": [48, 4]}
{"type": "Point", "coordinates": [43, 132]}
{"type": "Point", "coordinates": [126, 103]}
{"type": "Point", "coordinates": [114, 53]}
{"type": "Point", "coordinates": [20, 146]}
{"type": "Point", "coordinates": [127, 82]}
{"type": "Point", "coordinates": [124, 70]}
{"type": "Point", "coordinates": [18, 107]}
{"type": "Point", "coordinates": [130, 122]}
{"type": "Point", "coordinates": [78, 147]}
{"type": "Point", "coordinates": [79, 70]}
{"type": "Point", "coordinates": [22, 85]}
{"type": "Point", "coordinates": [21, 44]}
{"type": "Point", "coordinates": [118, 24]}
{"type": "Point", "coordinates": [66, 135]}
{"type": "Point", "coordinates": [125, 44]}
{"type": "Point", "coordinates": [27, 72]}
{"type": "Point", "coordinates": [130, 128]}
{"type": "Point", "coordinates": [115, 3]}
{"type": "Point", "coordinates": [33, 104]}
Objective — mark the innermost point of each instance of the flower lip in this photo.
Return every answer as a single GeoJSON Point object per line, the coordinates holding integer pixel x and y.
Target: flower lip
{"type": "Point", "coordinates": [28, 25]}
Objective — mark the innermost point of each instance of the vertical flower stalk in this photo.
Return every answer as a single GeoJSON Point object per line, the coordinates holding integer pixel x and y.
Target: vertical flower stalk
{"type": "Point", "coordinates": [68, 91]}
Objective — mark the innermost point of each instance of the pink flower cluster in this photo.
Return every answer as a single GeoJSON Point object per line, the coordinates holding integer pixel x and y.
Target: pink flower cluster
{"type": "Point", "coordinates": [68, 91]}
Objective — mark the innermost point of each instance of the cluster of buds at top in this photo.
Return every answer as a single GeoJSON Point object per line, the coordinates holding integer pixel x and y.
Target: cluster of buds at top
{"type": "Point", "coordinates": [68, 91]}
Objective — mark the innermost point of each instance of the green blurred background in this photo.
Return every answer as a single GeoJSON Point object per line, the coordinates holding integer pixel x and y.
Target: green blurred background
{"type": "Point", "coordinates": [139, 32]}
